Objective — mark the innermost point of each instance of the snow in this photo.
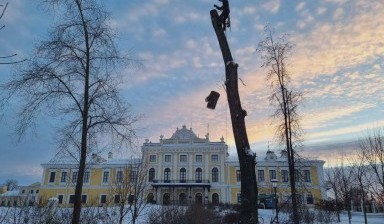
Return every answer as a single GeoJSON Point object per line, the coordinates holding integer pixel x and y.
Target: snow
{"type": "Point", "coordinates": [10, 193]}
{"type": "Point", "coordinates": [265, 215]}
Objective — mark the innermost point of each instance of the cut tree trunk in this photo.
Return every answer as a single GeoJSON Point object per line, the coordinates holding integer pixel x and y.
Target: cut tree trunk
{"type": "Point", "coordinates": [247, 158]}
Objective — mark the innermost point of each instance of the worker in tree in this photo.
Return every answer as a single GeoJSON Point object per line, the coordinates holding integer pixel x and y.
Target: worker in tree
{"type": "Point", "coordinates": [224, 16]}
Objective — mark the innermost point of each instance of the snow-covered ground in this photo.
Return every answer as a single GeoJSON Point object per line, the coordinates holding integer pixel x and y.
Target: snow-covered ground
{"type": "Point", "coordinates": [265, 215]}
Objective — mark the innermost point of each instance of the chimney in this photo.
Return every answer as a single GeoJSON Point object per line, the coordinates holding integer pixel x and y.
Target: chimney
{"type": "Point", "coordinates": [110, 155]}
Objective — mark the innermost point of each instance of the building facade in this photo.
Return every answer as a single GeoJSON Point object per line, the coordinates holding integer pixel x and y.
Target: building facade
{"type": "Point", "coordinates": [25, 195]}
{"type": "Point", "coordinates": [185, 168]}
{"type": "Point", "coordinates": [182, 169]}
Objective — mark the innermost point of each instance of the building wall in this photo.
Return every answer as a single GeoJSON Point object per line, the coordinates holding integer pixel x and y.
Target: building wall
{"type": "Point", "coordinates": [184, 143]}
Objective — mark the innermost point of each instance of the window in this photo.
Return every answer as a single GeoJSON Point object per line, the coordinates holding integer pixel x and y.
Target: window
{"type": "Point", "coordinates": [133, 176]}
{"type": "Point", "coordinates": [183, 174]}
{"type": "Point", "coordinates": [152, 158]}
{"type": "Point", "coordinates": [74, 177]}
{"type": "Point", "coordinates": [106, 177]}
{"type": "Point", "coordinates": [239, 198]}
{"type": "Point", "coordinates": [60, 197]}
{"type": "Point", "coordinates": [214, 158]}
{"type": "Point", "coordinates": [215, 175]}
{"type": "Point", "coordinates": [23, 191]}
{"type": "Point", "coordinates": [119, 176]}
{"type": "Point", "coordinates": [307, 175]}
{"type": "Point", "coordinates": [167, 174]}
{"type": "Point", "coordinates": [167, 158]}
{"type": "Point", "coordinates": [199, 175]}
{"type": "Point", "coordinates": [199, 158]}
{"type": "Point", "coordinates": [63, 178]}
{"type": "Point", "coordinates": [131, 198]}
{"type": "Point", "coordinates": [215, 199]}
{"type": "Point", "coordinates": [117, 199]}
{"type": "Point", "coordinates": [52, 177]}
{"type": "Point", "coordinates": [238, 176]}
{"type": "Point", "coordinates": [86, 177]}
{"type": "Point", "coordinates": [71, 199]}
{"type": "Point", "coordinates": [37, 191]}
{"type": "Point", "coordinates": [284, 176]}
{"type": "Point", "coordinates": [83, 199]}
{"type": "Point", "coordinates": [151, 174]}
{"type": "Point", "coordinates": [260, 176]}
{"type": "Point", "coordinates": [309, 199]}
{"type": "Point", "coordinates": [183, 158]}
{"type": "Point", "coordinates": [272, 174]}
{"type": "Point", "coordinates": [103, 199]}
{"type": "Point", "coordinates": [32, 191]}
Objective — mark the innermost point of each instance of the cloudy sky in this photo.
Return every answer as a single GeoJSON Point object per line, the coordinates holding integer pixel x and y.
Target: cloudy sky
{"type": "Point", "coordinates": [337, 61]}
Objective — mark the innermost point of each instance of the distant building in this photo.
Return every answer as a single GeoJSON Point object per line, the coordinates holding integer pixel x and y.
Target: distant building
{"type": "Point", "coordinates": [182, 169]}
{"type": "Point", "coordinates": [25, 195]}
{"type": "Point", "coordinates": [185, 168]}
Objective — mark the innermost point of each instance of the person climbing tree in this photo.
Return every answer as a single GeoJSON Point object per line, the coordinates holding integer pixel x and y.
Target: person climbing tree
{"type": "Point", "coordinates": [224, 16]}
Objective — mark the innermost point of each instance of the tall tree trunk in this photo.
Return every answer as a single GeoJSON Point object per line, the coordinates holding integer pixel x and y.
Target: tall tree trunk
{"type": "Point", "coordinates": [247, 159]}
{"type": "Point", "coordinates": [84, 128]}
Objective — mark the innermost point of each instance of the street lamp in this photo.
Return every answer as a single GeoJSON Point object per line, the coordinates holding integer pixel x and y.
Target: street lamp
{"type": "Point", "coordinates": [274, 185]}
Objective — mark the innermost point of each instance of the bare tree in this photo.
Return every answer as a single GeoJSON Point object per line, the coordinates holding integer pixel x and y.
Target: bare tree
{"type": "Point", "coordinates": [275, 53]}
{"type": "Point", "coordinates": [129, 184]}
{"type": "Point", "coordinates": [73, 74]}
{"type": "Point", "coordinates": [11, 184]}
{"type": "Point", "coordinates": [372, 149]}
{"type": "Point", "coordinates": [2, 12]}
{"type": "Point", "coordinates": [332, 177]}
{"type": "Point", "coordinates": [359, 171]}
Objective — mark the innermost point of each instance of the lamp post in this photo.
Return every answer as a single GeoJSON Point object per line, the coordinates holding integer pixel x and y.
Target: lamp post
{"type": "Point", "coordinates": [274, 185]}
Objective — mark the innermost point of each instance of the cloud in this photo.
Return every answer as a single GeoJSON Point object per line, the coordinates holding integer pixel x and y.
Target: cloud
{"type": "Point", "coordinates": [321, 10]}
{"type": "Point", "coordinates": [331, 47]}
{"type": "Point", "coordinates": [159, 33]}
{"type": "Point", "coordinates": [328, 116]}
{"type": "Point", "coordinates": [338, 14]}
{"type": "Point", "coordinates": [300, 6]}
{"type": "Point", "coordinates": [272, 6]}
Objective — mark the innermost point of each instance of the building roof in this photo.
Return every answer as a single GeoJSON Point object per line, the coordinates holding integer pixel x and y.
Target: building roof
{"type": "Point", "coordinates": [10, 193]}
{"type": "Point", "coordinates": [184, 134]}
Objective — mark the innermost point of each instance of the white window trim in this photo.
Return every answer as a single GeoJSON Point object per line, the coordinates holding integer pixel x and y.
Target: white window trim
{"type": "Point", "coordinates": [89, 178]}
{"type": "Point", "coordinates": [186, 158]}
{"type": "Point", "coordinates": [57, 196]}
{"type": "Point", "coordinates": [67, 178]}
{"type": "Point", "coordinates": [170, 161]}
{"type": "Point", "coordinates": [49, 176]}
{"type": "Point", "coordinates": [106, 199]}
{"type": "Point", "coordinates": [102, 177]}
{"type": "Point", "coordinates": [149, 158]}
{"type": "Point", "coordinates": [201, 158]}
{"type": "Point", "coordinates": [218, 158]}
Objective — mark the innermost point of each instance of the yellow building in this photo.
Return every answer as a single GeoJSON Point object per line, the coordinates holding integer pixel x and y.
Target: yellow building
{"type": "Point", "coordinates": [182, 169]}
{"type": "Point", "coordinates": [103, 179]}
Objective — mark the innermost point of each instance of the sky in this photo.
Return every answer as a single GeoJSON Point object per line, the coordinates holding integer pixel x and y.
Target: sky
{"type": "Point", "coordinates": [337, 62]}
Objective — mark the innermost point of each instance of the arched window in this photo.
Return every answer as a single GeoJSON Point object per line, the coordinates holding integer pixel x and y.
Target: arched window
{"type": "Point", "coordinates": [199, 175]}
{"type": "Point", "coordinates": [151, 174]}
{"type": "Point", "coordinates": [151, 198]}
{"type": "Point", "coordinates": [183, 174]}
{"type": "Point", "coordinates": [166, 199]}
{"type": "Point", "coordinates": [215, 199]}
{"type": "Point", "coordinates": [182, 198]}
{"type": "Point", "coordinates": [215, 175]}
{"type": "Point", "coordinates": [199, 198]}
{"type": "Point", "coordinates": [167, 175]}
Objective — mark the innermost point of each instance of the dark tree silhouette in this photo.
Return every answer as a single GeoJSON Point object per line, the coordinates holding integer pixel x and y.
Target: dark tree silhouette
{"type": "Point", "coordinates": [74, 75]}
